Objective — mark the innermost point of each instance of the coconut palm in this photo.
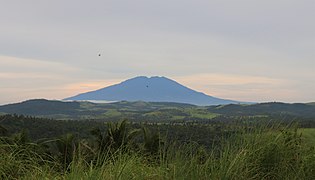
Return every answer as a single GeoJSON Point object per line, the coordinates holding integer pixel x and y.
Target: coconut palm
{"type": "Point", "coordinates": [101, 139]}
{"type": "Point", "coordinates": [3, 131]}
{"type": "Point", "coordinates": [117, 136]}
{"type": "Point", "coordinates": [21, 138]}
{"type": "Point", "coordinates": [152, 141]}
{"type": "Point", "coordinates": [66, 146]}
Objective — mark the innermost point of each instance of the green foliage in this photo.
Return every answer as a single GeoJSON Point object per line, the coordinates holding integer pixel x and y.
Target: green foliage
{"type": "Point", "coordinates": [122, 150]}
{"type": "Point", "coordinates": [274, 108]}
{"type": "Point", "coordinates": [308, 135]}
{"type": "Point", "coordinates": [67, 148]}
{"type": "Point", "coordinates": [3, 131]}
{"type": "Point", "coordinates": [21, 138]}
{"type": "Point", "coordinates": [20, 156]}
{"type": "Point", "coordinates": [152, 142]}
{"type": "Point", "coordinates": [117, 137]}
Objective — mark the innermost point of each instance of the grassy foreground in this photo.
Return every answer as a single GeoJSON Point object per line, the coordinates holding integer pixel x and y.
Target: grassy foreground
{"type": "Point", "coordinates": [265, 153]}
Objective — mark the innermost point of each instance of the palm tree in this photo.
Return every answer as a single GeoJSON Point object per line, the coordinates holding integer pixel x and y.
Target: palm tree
{"type": "Point", "coordinates": [21, 138]}
{"type": "Point", "coordinates": [3, 131]}
{"type": "Point", "coordinates": [101, 139]}
{"type": "Point", "coordinates": [66, 146]}
{"type": "Point", "coordinates": [117, 136]}
{"type": "Point", "coordinates": [152, 141]}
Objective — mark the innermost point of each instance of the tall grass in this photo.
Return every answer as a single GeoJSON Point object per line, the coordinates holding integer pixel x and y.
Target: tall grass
{"type": "Point", "coordinates": [263, 153]}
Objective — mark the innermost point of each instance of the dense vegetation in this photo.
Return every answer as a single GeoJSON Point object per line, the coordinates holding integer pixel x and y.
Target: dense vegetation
{"type": "Point", "coordinates": [39, 128]}
{"type": "Point", "coordinates": [239, 148]}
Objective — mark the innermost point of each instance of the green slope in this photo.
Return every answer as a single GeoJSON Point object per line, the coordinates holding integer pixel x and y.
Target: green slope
{"type": "Point", "coordinates": [274, 108]}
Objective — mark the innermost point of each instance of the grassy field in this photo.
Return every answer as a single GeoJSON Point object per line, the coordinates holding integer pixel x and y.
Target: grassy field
{"type": "Point", "coordinates": [201, 113]}
{"type": "Point", "coordinates": [265, 153]}
{"type": "Point", "coordinates": [308, 135]}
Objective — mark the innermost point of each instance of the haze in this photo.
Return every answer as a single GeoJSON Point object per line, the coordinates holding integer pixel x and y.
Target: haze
{"type": "Point", "coordinates": [242, 50]}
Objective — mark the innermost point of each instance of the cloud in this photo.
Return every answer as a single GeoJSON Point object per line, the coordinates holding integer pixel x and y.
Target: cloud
{"type": "Point", "coordinates": [28, 78]}
{"type": "Point", "coordinates": [23, 79]}
{"type": "Point", "coordinates": [264, 47]}
{"type": "Point", "coordinates": [240, 87]}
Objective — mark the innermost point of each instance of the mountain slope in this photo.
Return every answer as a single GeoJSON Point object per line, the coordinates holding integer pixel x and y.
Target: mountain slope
{"type": "Point", "coordinates": [154, 89]}
{"type": "Point", "coordinates": [272, 108]}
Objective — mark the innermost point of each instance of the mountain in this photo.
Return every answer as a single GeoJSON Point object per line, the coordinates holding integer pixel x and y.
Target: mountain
{"type": "Point", "coordinates": [153, 89]}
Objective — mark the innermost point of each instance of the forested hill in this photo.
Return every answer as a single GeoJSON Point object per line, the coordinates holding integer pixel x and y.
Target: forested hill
{"type": "Point", "coordinates": [83, 109]}
{"type": "Point", "coordinates": [152, 111]}
{"type": "Point", "coordinates": [273, 108]}
{"type": "Point", "coordinates": [43, 106]}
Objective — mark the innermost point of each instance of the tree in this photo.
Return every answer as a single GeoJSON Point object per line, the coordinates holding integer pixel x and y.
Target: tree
{"type": "Point", "coordinates": [66, 146]}
{"type": "Point", "coordinates": [21, 138]}
{"type": "Point", "coordinates": [151, 142]}
{"type": "Point", "coordinates": [117, 136]}
{"type": "Point", "coordinates": [3, 131]}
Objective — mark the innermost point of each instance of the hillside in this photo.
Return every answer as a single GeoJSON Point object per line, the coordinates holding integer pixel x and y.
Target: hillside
{"type": "Point", "coordinates": [85, 110]}
{"type": "Point", "coordinates": [151, 111]}
{"type": "Point", "coordinates": [273, 108]}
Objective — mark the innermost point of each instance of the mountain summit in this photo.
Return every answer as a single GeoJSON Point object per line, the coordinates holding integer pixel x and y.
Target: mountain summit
{"type": "Point", "coordinates": [151, 89]}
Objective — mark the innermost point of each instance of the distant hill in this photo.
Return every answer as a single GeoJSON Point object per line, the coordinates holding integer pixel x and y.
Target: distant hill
{"type": "Point", "coordinates": [151, 111]}
{"type": "Point", "coordinates": [41, 107]}
{"type": "Point", "coordinates": [153, 89]}
{"type": "Point", "coordinates": [273, 108]}
{"type": "Point", "coordinates": [83, 109]}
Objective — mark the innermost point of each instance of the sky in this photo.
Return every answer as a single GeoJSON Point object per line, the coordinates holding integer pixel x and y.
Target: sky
{"type": "Point", "coordinates": [257, 51]}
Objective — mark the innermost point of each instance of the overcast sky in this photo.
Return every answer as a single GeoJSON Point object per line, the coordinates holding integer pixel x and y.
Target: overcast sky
{"type": "Point", "coordinates": [245, 50]}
